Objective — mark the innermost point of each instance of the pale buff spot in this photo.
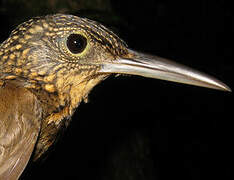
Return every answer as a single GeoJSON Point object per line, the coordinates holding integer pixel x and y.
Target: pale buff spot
{"type": "Point", "coordinates": [21, 29]}
{"type": "Point", "coordinates": [5, 58]}
{"type": "Point", "coordinates": [38, 78]}
{"type": "Point", "coordinates": [52, 34]}
{"type": "Point", "coordinates": [35, 29]}
{"type": "Point", "coordinates": [8, 69]}
{"type": "Point", "coordinates": [12, 56]}
{"type": "Point", "coordinates": [10, 77]}
{"type": "Point", "coordinates": [12, 49]}
{"type": "Point", "coordinates": [55, 29]}
{"type": "Point", "coordinates": [27, 37]}
{"type": "Point", "coordinates": [5, 47]}
{"type": "Point", "coordinates": [32, 86]}
{"type": "Point", "coordinates": [18, 46]}
{"type": "Point", "coordinates": [10, 62]}
{"type": "Point", "coordinates": [50, 29]}
{"type": "Point", "coordinates": [33, 74]}
{"type": "Point", "coordinates": [45, 25]}
{"type": "Point", "coordinates": [42, 72]}
{"type": "Point", "coordinates": [18, 70]}
{"type": "Point", "coordinates": [15, 37]}
{"type": "Point", "coordinates": [22, 41]}
{"type": "Point", "coordinates": [61, 29]}
{"type": "Point", "coordinates": [38, 28]}
{"type": "Point", "coordinates": [50, 88]}
{"type": "Point", "coordinates": [47, 33]}
{"type": "Point", "coordinates": [32, 31]}
{"type": "Point", "coordinates": [25, 72]}
{"type": "Point", "coordinates": [20, 61]}
{"type": "Point", "coordinates": [58, 67]}
{"type": "Point", "coordinates": [60, 83]}
{"type": "Point", "coordinates": [25, 52]}
{"type": "Point", "coordinates": [17, 53]}
{"type": "Point", "coordinates": [32, 81]}
{"type": "Point", "coordinates": [50, 78]}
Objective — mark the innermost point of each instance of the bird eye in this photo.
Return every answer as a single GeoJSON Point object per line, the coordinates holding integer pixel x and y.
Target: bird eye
{"type": "Point", "coordinates": [76, 43]}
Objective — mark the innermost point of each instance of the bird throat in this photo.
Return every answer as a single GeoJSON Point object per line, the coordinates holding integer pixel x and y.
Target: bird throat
{"type": "Point", "coordinates": [58, 108]}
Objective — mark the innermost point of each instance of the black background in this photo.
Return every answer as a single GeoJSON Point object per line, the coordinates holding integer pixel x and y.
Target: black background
{"type": "Point", "coordinates": [190, 128]}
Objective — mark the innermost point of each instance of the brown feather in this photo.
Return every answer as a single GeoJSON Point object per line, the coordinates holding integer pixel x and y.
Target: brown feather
{"type": "Point", "coordinates": [20, 116]}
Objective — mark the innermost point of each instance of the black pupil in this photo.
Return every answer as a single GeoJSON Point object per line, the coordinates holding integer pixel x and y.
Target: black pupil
{"type": "Point", "coordinates": [76, 43]}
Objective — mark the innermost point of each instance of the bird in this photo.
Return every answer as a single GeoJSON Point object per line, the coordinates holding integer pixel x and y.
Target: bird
{"type": "Point", "coordinates": [49, 65]}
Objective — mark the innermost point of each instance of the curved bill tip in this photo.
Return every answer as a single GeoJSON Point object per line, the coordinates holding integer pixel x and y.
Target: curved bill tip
{"type": "Point", "coordinates": [159, 68]}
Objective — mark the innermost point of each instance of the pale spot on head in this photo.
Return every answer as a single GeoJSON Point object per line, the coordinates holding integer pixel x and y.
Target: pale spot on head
{"type": "Point", "coordinates": [50, 88]}
{"type": "Point", "coordinates": [32, 31]}
{"type": "Point", "coordinates": [38, 28]}
{"type": "Point", "coordinates": [18, 71]}
{"type": "Point", "coordinates": [12, 56]}
{"type": "Point", "coordinates": [13, 49]}
{"type": "Point", "coordinates": [35, 29]}
{"type": "Point", "coordinates": [25, 52]}
{"type": "Point", "coordinates": [10, 62]}
{"type": "Point", "coordinates": [42, 72]}
{"type": "Point", "coordinates": [15, 37]}
{"type": "Point", "coordinates": [33, 74]}
{"type": "Point", "coordinates": [22, 41]}
{"type": "Point", "coordinates": [50, 78]}
{"type": "Point", "coordinates": [5, 57]}
{"type": "Point", "coordinates": [32, 86]}
{"type": "Point", "coordinates": [17, 53]}
{"type": "Point", "coordinates": [50, 29]}
{"type": "Point", "coordinates": [25, 72]}
{"type": "Point", "coordinates": [45, 25]}
{"type": "Point", "coordinates": [21, 29]}
{"type": "Point", "coordinates": [8, 69]}
{"type": "Point", "coordinates": [20, 62]}
{"type": "Point", "coordinates": [10, 77]}
{"type": "Point", "coordinates": [18, 46]}
{"type": "Point", "coordinates": [38, 78]}
{"type": "Point", "coordinates": [5, 46]}
{"type": "Point", "coordinates": [55, 29]}
{"type": "Point", "coordinates": [47, 33]}
{"type": "Point", "coordinates": [27, 37]}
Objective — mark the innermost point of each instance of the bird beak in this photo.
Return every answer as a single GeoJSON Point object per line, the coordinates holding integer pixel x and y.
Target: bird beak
{"type": "Point", "coordinates": [159, 68]}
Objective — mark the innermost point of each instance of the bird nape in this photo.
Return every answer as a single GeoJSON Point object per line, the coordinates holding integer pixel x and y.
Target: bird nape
{"type": "Point", "coordinates": [48, 65]}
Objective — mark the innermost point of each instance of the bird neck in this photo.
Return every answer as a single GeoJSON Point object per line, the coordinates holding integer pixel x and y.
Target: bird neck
{"type": "Point", "coordinates": [58, 108]}
{"type": "Point", "coordinates": [67, 96]}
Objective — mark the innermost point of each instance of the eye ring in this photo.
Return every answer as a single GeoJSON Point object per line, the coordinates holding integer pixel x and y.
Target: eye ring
{"type": "Point", "coordinates": [76, 43]}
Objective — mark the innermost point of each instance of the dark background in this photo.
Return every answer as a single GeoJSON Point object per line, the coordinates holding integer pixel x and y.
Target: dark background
{"type": "Point", "coordinates": [162, 129]}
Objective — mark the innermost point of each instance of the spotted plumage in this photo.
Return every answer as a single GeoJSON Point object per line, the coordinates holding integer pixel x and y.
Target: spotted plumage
{"type": "Point", "coordinates": [49, 65]}
{"type": "Point", "coordinates": [35, 57]}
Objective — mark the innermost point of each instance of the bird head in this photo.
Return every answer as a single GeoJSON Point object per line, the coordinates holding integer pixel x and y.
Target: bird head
{"type": "Point", "coordinates": [66, 56]}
